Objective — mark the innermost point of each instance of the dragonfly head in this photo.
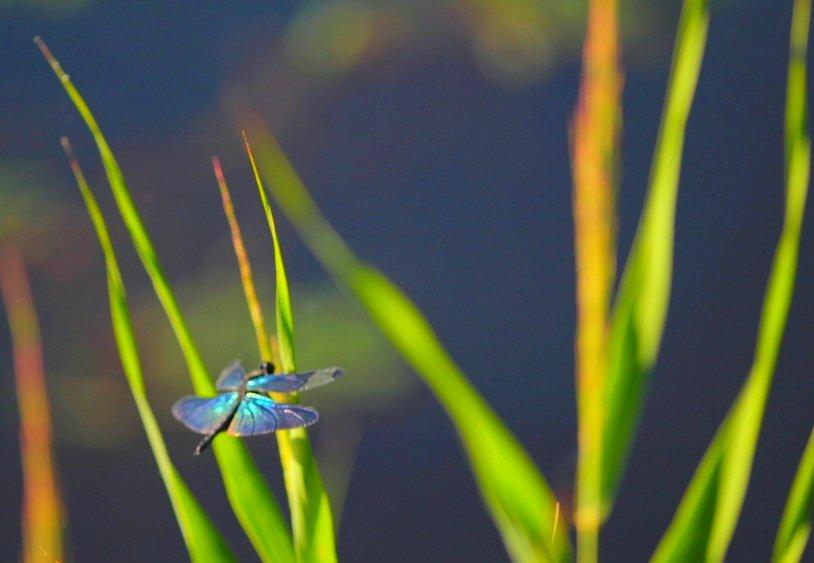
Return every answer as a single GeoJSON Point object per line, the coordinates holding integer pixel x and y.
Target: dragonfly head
{"type": "Point", "coordinates": [267, 368]}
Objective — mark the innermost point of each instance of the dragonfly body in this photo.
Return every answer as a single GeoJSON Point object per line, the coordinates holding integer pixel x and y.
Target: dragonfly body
{"type": "Point", "coordinates": [243, 408]}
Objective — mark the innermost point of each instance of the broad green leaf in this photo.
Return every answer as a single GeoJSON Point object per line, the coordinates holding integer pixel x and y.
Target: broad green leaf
{"type": "Point", "coordinates": [641, 304]}
{"type": "Point", "coordinates": [204, 541]}
{"type": "Point", "coordinates": [515, 493]}
{"type": "Point", "coordinates": [311, 517]}
{"type": "Point", "coordinates": [795, 525]}
{"type": "Point", "coordinates": [706, 518]}
{"type": "Point", "coordinates": [251, 499]}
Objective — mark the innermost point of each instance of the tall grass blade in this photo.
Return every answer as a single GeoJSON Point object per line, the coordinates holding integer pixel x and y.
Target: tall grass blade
{"type": "Point", "coordinates": [283, 315]}
{"type": "Point", "coordinates": [43, 516]}
{"type": "Point", "coordinates": [795, 525]}
{"type": "Point", "coordinates": [251, 499]}
{"type": "Point", "coordinates": [310, 511]}
{"type": "Point", "coordinates": [706, 518]}
{"type": "Point", "coordinates": [640, 309]}
{"type": "Point", "coordinates": [311, 517]}
{"type": "Point", "coordinates": [515, 493]}
{"type": "Point", "coordinates": [203, 540]}
{"type": "Point", "coordinates": [594, 162]}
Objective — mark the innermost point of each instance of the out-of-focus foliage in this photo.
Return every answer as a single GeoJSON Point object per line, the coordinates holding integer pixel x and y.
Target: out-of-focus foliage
{"type": "Point", "coordinates": [640, 309]}
{"type": "Point", "coordinates": [514, 43]}
{"type": "Point", "coordinates": [44, 518]}
{"type": "Point", "coordinates": [795, 526]}
{"type": "Point", "coordinates": [36, 220]}
{"type": "Point", "coordinates": [709, 511]}
{"type": "Point", "coordinates": [595, 158]}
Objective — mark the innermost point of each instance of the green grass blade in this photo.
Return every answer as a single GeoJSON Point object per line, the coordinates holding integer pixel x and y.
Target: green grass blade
{"type": "Point", "coordinates": [795, 525]}
{"type": "Point", "coordinates": [641, 304]}
{"type": "Point", "coordinates": [311, 517]}
{"type": "Point", "coordinates": [707, 516]}
{"type": "Point", "coordinates": [283, 315]}
{"type": "Point", "coordinates": [249, 495]}
{"type": "Point", "coordinates": [203, 540]}
{"type": "Point", "coordinates": [515, 493]}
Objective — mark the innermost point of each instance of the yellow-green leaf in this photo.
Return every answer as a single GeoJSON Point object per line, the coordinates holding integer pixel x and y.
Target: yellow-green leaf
{"type": "Point", "coordinates": [640, 311]}
{"type": "Point", "coordinates": [203, 540]}
{"type": "Point", "coordinates": [708, 514]}
{"type": "Point", "coordinates": [252, 501]}
{"type": "Point", "coordinates": [795, 525]}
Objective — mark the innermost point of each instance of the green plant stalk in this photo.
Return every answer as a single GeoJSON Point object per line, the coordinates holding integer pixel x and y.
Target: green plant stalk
{"type": "Point", "coordinates": [640, 310]}
{"type": "Point", "coordinates": [795, 525]}
{"type": "Point", "coordinates": [251, 499]}
{"type": "Point", "coordinates": [203, 540]}
{"type": "Point", "coordinates": [311, 518]}
{"type": "Point", "coordinates": [708, 514]}
{"type": "Point", "coordinates": [515, 493]}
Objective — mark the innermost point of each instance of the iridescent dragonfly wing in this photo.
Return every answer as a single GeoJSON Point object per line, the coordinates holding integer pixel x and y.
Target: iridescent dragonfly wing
{"type": "Point", "coordinates": [231, 377]}
{"type": "Point", "coordinates": [289, 383]}
{"type": "Point", "coordinates": [257, 414]}
{"type": "Point", "coordinates": [206, 415]}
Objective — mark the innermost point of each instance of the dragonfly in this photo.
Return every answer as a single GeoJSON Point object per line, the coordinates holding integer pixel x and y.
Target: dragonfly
{"type": "Point", "coordinates": [243, 408]}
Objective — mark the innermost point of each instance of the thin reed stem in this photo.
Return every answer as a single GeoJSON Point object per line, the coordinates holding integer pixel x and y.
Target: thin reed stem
{"type": "Point", "coordinates": [42, 513]}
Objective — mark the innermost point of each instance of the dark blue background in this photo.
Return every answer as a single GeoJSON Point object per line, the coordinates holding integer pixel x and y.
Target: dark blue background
{"type": "Point", "coordinates": [459, 189]}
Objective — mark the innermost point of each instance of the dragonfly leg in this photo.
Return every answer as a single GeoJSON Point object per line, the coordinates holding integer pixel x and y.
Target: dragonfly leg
{"type": "Point", "coordinates": [204, 443]}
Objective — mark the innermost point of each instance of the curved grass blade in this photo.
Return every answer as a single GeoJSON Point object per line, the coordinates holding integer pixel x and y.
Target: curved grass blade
{"type": "Point", "coordinates": [795, 525]}
{"type": "Point", "coordinates": [251, 499]}
{"type": "Point", "coordinates": [43, 520]}
{"type": "Point", "coordinates": [706, 518]}
{"type": "Point", "coordinates": [640, 309]}
{"type": "Point", "coordinates": [519, 500]}
{"type": "Point", "coordinates": [595, 145]}
{"type": "Point", "coordinates": [311, 517]}
{"type": "Point", "coordinates": [283, 316]}
{"type": "Point", "coordinates": [203, 540]}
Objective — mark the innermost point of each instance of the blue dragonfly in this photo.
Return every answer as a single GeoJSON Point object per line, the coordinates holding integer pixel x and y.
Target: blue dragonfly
{"type": "Point", "coordinates": [243, 408]}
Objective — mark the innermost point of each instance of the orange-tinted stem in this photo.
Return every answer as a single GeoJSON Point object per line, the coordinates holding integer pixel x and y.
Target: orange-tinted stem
{"type": "Point", "coordinates": [42, 512]}
{"type": "Point", "coordinates": [255, 310]}
{"type": "Point", "coordinates": [594, 161]}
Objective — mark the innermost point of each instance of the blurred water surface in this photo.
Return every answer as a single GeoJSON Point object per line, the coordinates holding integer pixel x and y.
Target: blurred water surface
{"type": "Point", "coordinates": [435, 137]}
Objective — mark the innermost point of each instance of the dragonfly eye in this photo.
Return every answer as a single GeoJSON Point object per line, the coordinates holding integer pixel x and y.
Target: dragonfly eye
{"type": "Point", "coordinates": [267, 368]}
